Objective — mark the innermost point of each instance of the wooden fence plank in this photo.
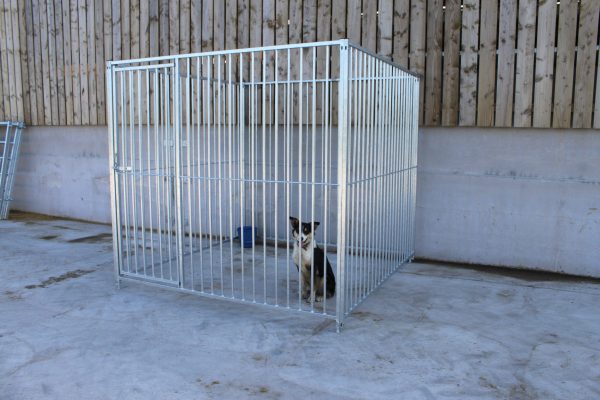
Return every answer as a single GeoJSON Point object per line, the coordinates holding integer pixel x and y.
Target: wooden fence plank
{"type": "Point", "coordinates": [184, 26]}
{"type": "Point", "coordinates": [100, 62]}
{"type": "Point", "coordinates": [68, 66]}
{"type": "Point", "coordinates": [30, 66]}
{"type": "Point", "coordinates": [433, 75]}
{"type": "Point", "coordinates": [22, 43]}
{"type": "Point", "coordinates": [134, 26]}
{"type": "Point", "coordinates": [369, 25]}
{"type": "Point", "coordinates": [255, 23]}
{"type": "Point", "coordinates": [469, 65]}
{"type": "Point", "coordinates": [338, 31]}
{"type": "Point", "coordinates": [43, 26]}
{"type": "Point", "coordinates": [401, 26]}
{"type": "Point", "coordinates": [281, 24]}
{"type": "Point", "coordinates": [8, 39]}
{"type": "Point", "coordinates": [144, 28]}
{"type": "Point", "coordinates": [544, 65]}
{"type": "Point", "coordinates": [231, 25]}
{"type": "Point", "coordinates": [295, 36]}
{"type": "Point", "coordinates": [107, 29]}
{"type": "Point", "coordinates": [243, 25]}
{"type": "Point", "coordinates": [487, 63]}
{"type": "Point", "coordinates": [525, 63]}
{"type": "Point", "coordinates": [163, 29]}
{"type": "Point", "coordinates": [90, 66]}
{"type": "Point", "coordinates": [153, 29]}
{"type": "Point", "coordinates": [417, 46]}
{"type": "Point", "coordinates": [60, 63]}
{"type": "Point", "coordinates": [451, 67]}
{"type": "Point", "coordinates": [207, 25]}
{"type": "Point", "coordinates": [268, 39]}
{"type": "Point", "coordinates": [125, 29]}
{"type": "Point", "coordinates": [505, 76]}
{"type": "Point", "coordinates": [565, 63]}
{"type": "Point", "coordinates": [219, 25]}
{"type": "Point", "coordinates": [83, 62]}
{"type": "Point", "coordinates": [385, 33]}
{"type": "Point", "coordinates": [196, 26]}
{"type": "Point", "coordinates": [54, 93]}
{"type": "Point", "coordinates": [323, 34]}
{"type": "Point", "coordinates": [37, 42]}
{"type": "Point", "coordinates": [353, 21]}
{"type": "Point", "coordinates": [117, 52]}
{"type": "Point", "coordinates": [173, 26]}
{"type": "Point", "coordinates": [75, 67]}
{"type": "Point", "coordinates": [586, 62]}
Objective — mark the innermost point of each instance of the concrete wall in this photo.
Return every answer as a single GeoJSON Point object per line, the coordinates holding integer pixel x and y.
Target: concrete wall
{"type": "Point", "coordinates": [63, 171]}
{"type": "Point", "coordinates": [508, 197]}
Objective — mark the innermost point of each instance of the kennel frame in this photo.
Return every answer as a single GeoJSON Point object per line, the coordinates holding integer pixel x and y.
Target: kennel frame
{"type": "Point", "coordinates": [9, 155]}
{"type": "Point", "coordinates": [345, 300]}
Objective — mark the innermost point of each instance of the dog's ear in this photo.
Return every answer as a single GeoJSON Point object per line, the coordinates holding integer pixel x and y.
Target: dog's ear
{"type": "Point", "coordinates": [315, 224]}
{"type": "Point", "coordinates": [294, 222]}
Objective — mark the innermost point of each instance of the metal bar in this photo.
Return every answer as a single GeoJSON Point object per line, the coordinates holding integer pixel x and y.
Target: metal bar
{"type": "Point", "coordinates": [288, 164]}
{"type": "Point", "coordinates": [342, 180]}
{"type": "Point", "coordinates": [300, 288]}
{"type": "Point", "coordinates": [242, 121]}
{"type": "Point", "coordinates": [230, 134]}
{"type": "Point", "coordinates": [140, 143]}
{"type": "Point", "coordinates": [264, 172]}
{"type": "Point", "coordinates": [143, 67]}
{"type": "Point", "coordinates": [157, 154]}
{"type": "Point", "coordinates": [220, 186]}
{"type": "Point", "coordinates": [113, 178]}
{"type": "Point", "coordinates": [189, 147]}
{"type": "Point", "coordinates": [178, 173]}
{"type": "Point", "coordinates": [276, 187]}
{"type": "Point", "coordinates": [233, 51]}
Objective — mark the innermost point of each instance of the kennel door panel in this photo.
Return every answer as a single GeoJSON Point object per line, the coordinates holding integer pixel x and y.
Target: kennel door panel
{"type": "Point", "coordinates": [145, 179]}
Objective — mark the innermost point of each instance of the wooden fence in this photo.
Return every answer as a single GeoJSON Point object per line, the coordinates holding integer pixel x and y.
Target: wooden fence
{"type": "Point", "coordinates": [521, 63]}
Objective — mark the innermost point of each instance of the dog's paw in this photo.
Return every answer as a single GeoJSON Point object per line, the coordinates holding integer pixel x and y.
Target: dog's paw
{"type": "Point", "coordinates": [319, 299]}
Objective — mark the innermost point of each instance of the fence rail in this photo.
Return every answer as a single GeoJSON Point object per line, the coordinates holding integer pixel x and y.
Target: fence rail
{"type": "Point", "coordinates": [503, 63]}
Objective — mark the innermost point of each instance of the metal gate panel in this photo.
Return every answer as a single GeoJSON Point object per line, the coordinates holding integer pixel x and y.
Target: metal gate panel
{"type": "Point", "coordinates": [144, 184]}
{"type": "Point", "coordinates": [10, 140]}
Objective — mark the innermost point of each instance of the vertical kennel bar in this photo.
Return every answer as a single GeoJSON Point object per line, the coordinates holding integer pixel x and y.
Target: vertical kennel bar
{"type": "Point", "coordinates": [342, 182]}
{"type": "Point", "coordinates": [413, 171]}
{"type": "Point", "coordinates": [113, 176]}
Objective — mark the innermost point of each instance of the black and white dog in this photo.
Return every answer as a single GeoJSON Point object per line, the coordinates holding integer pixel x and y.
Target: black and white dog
{"type": "Point", "coordinates": [306, 254]}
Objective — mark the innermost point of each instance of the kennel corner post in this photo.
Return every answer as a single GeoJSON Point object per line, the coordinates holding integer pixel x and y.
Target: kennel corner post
{"type": "Point", "coordinates": [178, 168]}
{"type": "Point", "coordinates": [113, 177]}
{"type": "Point", "coordinates": [414, 164]}
{"type": "Point", "coordinates": [342, 181]}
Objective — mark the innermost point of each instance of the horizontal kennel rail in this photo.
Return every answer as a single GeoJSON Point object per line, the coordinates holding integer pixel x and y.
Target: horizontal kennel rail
{"type": "Point", "coordinates": [215, 156]}
{"type": "Point", "coordinates": [10, 140]}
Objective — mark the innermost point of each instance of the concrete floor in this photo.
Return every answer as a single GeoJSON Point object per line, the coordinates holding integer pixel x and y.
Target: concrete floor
{"type": "Point", "coordinates": [431, 332]}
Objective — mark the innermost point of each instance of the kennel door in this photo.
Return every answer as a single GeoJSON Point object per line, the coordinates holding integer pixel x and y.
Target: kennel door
{"type": "Point", "coordinates": [144, 172]}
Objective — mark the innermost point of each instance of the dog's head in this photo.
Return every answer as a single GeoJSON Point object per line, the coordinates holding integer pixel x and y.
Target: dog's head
{"type": "Point", "coordinates": [303, 232]}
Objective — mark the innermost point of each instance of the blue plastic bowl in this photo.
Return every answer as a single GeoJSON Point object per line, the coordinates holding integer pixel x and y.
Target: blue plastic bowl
{"type": "Point", "coordinates": [248, 238]}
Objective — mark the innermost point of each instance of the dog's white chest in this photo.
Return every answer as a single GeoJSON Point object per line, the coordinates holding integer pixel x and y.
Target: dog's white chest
{"type": "Point", "coordinates": [302, 257]}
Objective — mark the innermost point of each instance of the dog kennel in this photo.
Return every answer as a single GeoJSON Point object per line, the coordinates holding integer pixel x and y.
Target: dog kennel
{"type": "Point", "coordinates": [212, 153]}
{"type": "Point", "coordinates": [9, 153]}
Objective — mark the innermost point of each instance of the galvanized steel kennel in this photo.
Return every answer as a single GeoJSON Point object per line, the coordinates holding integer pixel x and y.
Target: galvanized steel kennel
{"type": "Point", "coordinates": [212, 153]}
{"type": "Point", "coordinates": [10, 140]}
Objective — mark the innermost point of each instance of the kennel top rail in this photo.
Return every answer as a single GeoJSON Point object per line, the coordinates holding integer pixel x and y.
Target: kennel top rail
{"type": "Point", "coordinates": [340, 42]}
{"type": "Point", "coordinates": [18, 124]}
